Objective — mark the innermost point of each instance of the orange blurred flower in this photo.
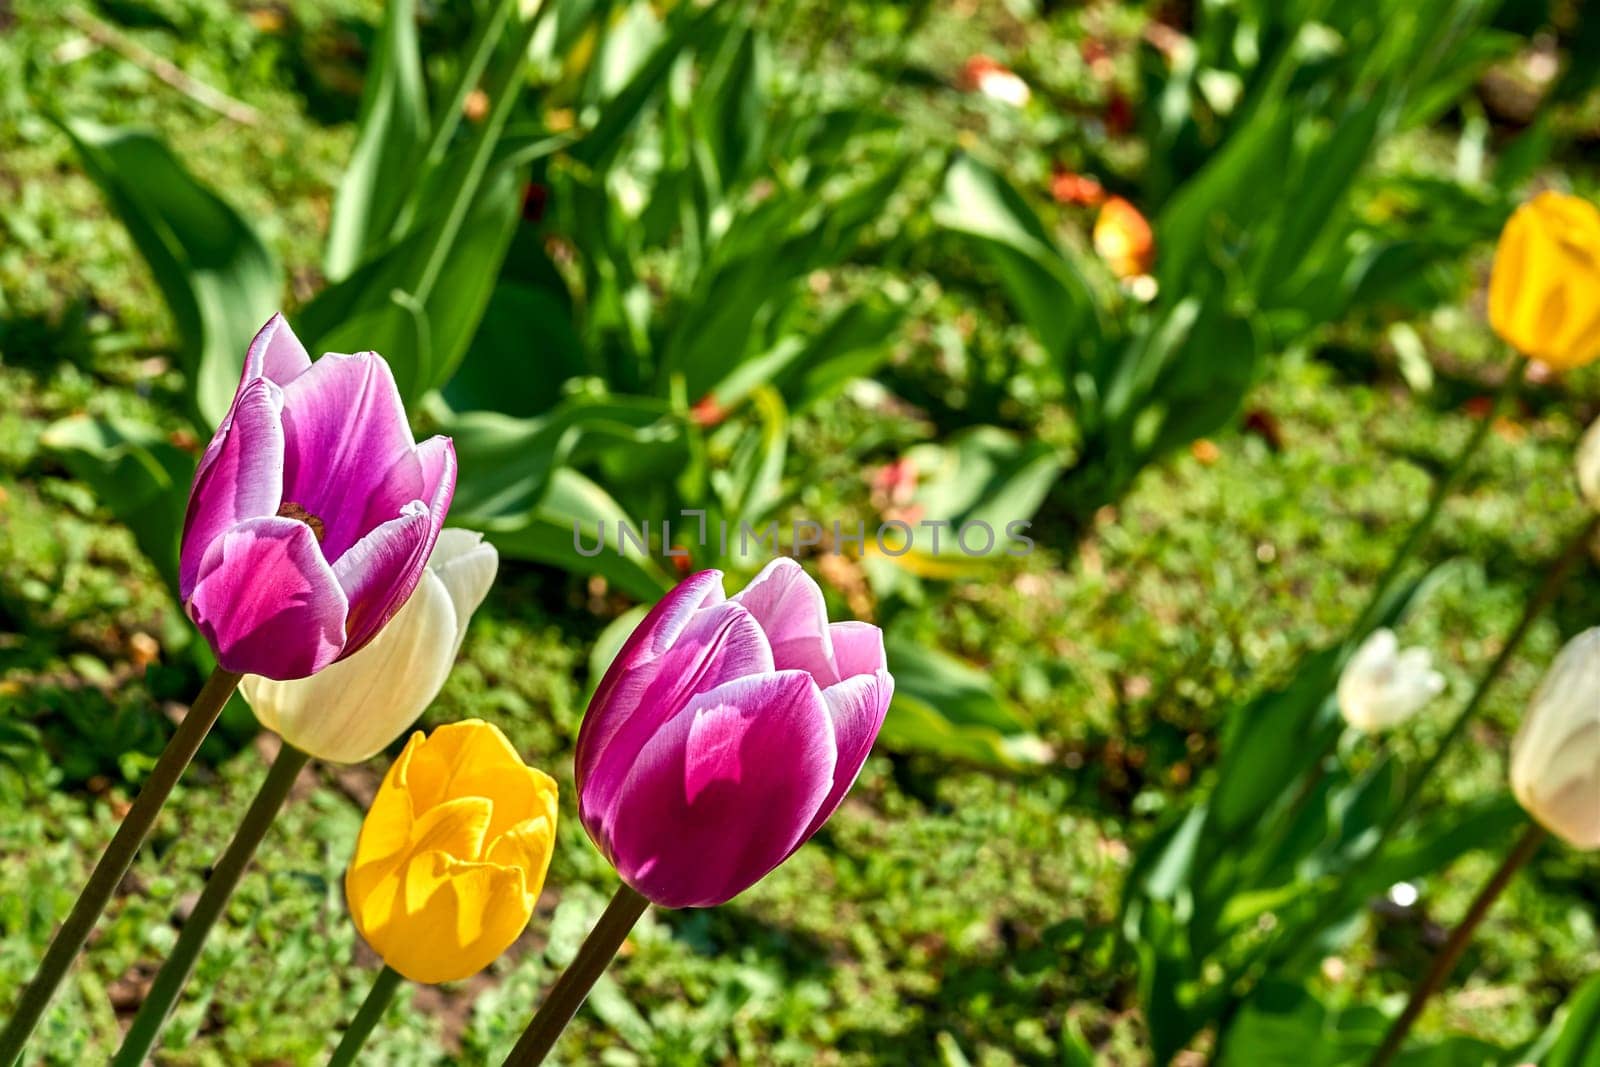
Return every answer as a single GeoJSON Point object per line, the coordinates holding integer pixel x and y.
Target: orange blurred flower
{"type": "Point", "coordinates": [1124, 239]}
{"type": "Point", "coordinates": [1069, 188]}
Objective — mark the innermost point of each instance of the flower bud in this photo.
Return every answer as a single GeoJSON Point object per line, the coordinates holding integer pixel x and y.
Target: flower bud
{"type": "Point", "coordinates": [353, 709]}
{"type": "Point", "coordinates": [1555, 757]}
{"type": "Point", "coordinates": [1544, 291]}
{"type": "Point", "coordinates": [453, 854]}
{"type": "Point", "coordinates": [1383, 686]}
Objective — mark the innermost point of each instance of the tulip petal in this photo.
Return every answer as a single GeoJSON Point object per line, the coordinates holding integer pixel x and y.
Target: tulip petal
{"type": "Point", "coordinates": [719, 643]}
{"type": "Point", "coordinates": [635, 665]}
{"type": "Point", "coordinates": [353, 709]}
{"type": "Point", "coordinates": [242, 480]}
{"type": "Point", "coordinates": [381, 570]}
{"type": "Point", "coordinates": [464, 759]}
{"type": "Point", "coordinates": [725, 791]}
{"type": "Point", "coordinates": [267, 601]}
{"type": "Point", "coordinates": [857, 648]}
{"type": "Point", "coordinates": [470, 914]}
{"type": "Point", "coordinates": [275, 353]}
{"type": "Point", "coordinates": [344, 430]}
{"type": "Point", "coordinates": [789, 606]}
{"type": "Point", "coordinates": [466, 566]}
{"type": "Point", "coordinates": [858, 705]}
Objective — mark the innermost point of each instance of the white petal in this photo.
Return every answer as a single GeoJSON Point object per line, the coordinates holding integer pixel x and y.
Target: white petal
{"type": "Point", "coordinates": [1555, 757]}
{"type": "Point", "coordinates": [466, 564]}
{"type": "Point", "coordinates": [354, 708]}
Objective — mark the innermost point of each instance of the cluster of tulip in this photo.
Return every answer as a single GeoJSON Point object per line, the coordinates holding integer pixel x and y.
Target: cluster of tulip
{"type": "Point", "coordinates": [314, 561]}
{"type": "Point", "coordinates": [1544, 301]}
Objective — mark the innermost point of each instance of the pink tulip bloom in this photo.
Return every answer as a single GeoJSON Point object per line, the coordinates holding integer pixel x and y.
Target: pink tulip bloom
{"type": "Point", "coordinates": [725, 734]}
{"type": "Point", "coordinates": [312, 513]}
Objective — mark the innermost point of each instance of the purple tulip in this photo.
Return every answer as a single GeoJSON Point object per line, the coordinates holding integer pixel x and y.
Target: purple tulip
{"type": "Point", "coordinates": [726, 732]}
{"type": "Point", "coordinates": [313, 510]}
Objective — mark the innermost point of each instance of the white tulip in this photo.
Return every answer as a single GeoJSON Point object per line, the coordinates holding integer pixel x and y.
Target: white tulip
{"type": "Point", "coordinates": [1004, 86]}
{"type": "Point", "coordinates": [1588, 463]}
{"type": "Point", "coordinates": [354, 708]}
{"type": "Point", "coordinates": [1383, 686]}
{"type": "Point", "coordinates": [1555, 757]}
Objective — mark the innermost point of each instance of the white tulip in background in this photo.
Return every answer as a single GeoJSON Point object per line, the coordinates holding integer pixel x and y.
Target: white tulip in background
{"type": "Point", "coordinates": [1383, 686]}
{"type": "Point", "coordinates": [1004, 86]}
{"type": "Point", "coordinates": [1555, 757]}
{"type": "Point", "coordinates": [1588, 464]}
{"type": "Point", "coordinates": [354, 708]}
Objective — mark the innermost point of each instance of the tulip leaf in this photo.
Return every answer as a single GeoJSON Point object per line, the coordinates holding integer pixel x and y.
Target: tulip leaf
{"type": "Point", "coordinates": [393, 132]}
{"type": "Point", "coordinates": [217, 275]}
{"type": "Point", "coordinates": [1049, 292]}
{"type": "Point", "coordinates": [1578, 1042]}
{"type": "Point", "coordinates": [947, 707]}
{"type": "Point", "coordinates": [570, 510]}
{"type": "Point", "coordinates": [136, 473]}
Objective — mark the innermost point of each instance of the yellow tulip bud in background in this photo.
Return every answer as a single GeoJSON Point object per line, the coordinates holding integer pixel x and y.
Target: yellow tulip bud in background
{"type": "Point", "coordinates": [352, 709]}
{"type": "Point", "coordinates": [1544, 291]}
{"type": "Point", "coordinates": [1555, 757]}
{"type": "Point", "coordinates": [453, 853]}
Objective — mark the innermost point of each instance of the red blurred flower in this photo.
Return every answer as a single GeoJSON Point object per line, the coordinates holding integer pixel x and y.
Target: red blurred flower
{"type": "Point", "coordinates": [535, 196]}
{"type": "Point", "coordinates": [1120, 118]}
{"type": "Point", "coordinates": [707, 412]}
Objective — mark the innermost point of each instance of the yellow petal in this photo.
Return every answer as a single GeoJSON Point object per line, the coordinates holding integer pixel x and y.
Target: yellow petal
{"type": "Point", "coordinates": [457, 918]}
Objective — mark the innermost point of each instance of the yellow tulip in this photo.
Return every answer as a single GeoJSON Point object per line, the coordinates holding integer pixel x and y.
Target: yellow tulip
{"type": "Point", "coordinates": [453, 853]}
{"type": "Point", "coordinates": [1544, 291]}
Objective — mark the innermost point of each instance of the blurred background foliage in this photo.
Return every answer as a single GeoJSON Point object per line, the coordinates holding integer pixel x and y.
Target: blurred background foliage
{"type": "Point", "coordinates": [810, 260]}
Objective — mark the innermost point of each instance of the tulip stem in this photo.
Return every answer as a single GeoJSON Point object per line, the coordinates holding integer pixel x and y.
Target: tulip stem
{"type": "Point", "coordinates": [1445, 961]}
{"type": "Point", "coordinates": [1547, 591]}
{"type": "Point", "coordinates": [366, 1020]}
{"type": "Point", "coordinates": [115, 861]}
{"type": "Point", "coordinates": [174, 973]}
{"type": "Point", "coordinates": [1516, 369]}
{"type": "Point", "coordinates": [573, 986]}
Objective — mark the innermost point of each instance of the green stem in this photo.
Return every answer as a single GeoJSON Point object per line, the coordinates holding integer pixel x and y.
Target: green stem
{"type": "Point", "coordinates": [372, 1009]}
{"type": "Point", "coordinates": [1548, 589]}
{"type": "Point", "coordinates": [116, 860]}
{"type": "Point", "coordinates": [174, 973]}
{"type": "Point", "coordinates": [579, 977]}
{"type": "Point", "coordinates": [1450, 954]}
{"type": "Point", "coordinates": [1515, 369]}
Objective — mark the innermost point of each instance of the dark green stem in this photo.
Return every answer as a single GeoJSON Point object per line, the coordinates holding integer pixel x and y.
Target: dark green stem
{"type": "Point", "coordinates": [576, 981]}
{"type": "Point", "coordinates": [1450, 954]}
{"type": "Point", "coordinates": [366, 1020]}
{"type": "Point", "coordinates": [115, 861]}
{"type": "Point", "coordinates": [1515, 369]}
{"type": "Point", "coordinates": [174, 973]}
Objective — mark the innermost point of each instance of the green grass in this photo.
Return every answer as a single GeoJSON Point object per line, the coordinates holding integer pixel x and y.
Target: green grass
{"type": "Point", "coordinates": [943, 907]}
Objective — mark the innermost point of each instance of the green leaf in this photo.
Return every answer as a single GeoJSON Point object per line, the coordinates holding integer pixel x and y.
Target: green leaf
{"type": "Point", "coordinates": [217, 276]}
{"type": "Point", "coordinates": [371, 309]}
{"type": "Point", "coordinates": [1579, 1042]}
{"type": "Point", "coordinates": [947, 707]}
{"type": "Point", "coordinates": [1044, 285]}
{"type": "Point", "coordinates": [391, 138]}
{"type": "Point", "coordinates": [610, 642]}
{"type": "Point", "coordinates": [1227, 193]}
{"type": "Point", "coordinates": [546, 535]}
{"type": "Point", "coordinates": [136, 474]}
